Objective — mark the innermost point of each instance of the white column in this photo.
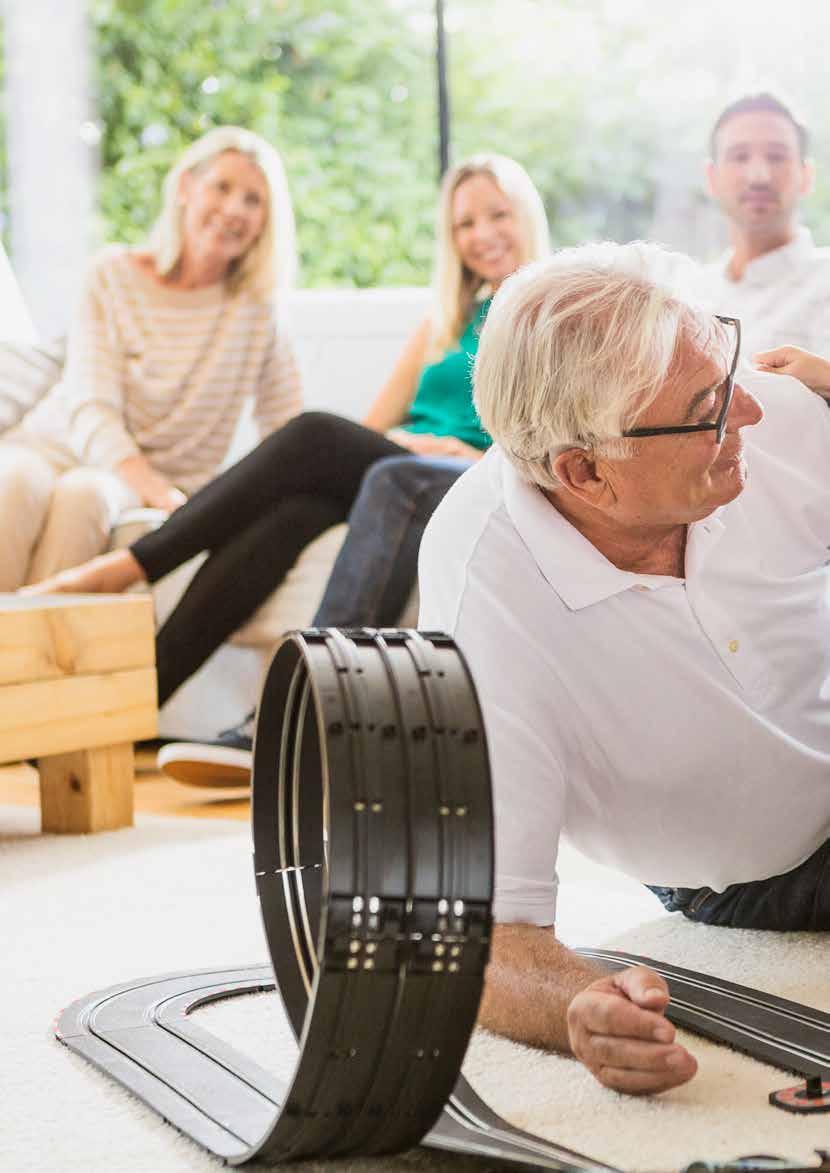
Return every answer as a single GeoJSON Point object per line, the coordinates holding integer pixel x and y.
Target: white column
{"type": "Point", "coordinates": [52, 153]}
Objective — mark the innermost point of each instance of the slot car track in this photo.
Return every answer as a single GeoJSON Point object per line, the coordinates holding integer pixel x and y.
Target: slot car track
{"type": "Point", "coordinates": [143, 1034]}
{"type": "Point", "coordinates": [373, 856]}
{"type": "Point", "coordinates": [223, 1099]}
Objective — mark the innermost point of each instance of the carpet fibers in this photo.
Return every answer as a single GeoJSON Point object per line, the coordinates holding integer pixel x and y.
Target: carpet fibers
{"type": "Point", "coordinates": [79, 913]}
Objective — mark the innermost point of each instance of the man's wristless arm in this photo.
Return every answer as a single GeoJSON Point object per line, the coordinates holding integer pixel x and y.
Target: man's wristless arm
{"type": "Point", "coordinates": [539, 993]}
{"type": "Point", "coordinates": [530, 982]}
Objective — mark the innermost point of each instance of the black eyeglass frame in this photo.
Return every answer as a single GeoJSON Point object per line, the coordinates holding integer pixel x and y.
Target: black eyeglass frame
{"type": "Point", "coordinates": [719, 425]}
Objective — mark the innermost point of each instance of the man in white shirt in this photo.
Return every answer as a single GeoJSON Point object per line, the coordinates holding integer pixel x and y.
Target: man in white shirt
{"type": "Point", "coordinates": [638, 575]}
{"type": "Point", "coordinates": [773, 278]}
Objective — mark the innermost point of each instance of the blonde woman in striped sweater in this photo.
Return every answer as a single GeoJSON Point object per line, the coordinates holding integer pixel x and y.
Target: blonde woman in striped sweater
{"type": "Point", "coordinates": [168, 342]}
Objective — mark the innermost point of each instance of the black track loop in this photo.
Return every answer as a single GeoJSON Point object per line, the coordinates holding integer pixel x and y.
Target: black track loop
{"type": "Point", "coordinates": [373, 851]}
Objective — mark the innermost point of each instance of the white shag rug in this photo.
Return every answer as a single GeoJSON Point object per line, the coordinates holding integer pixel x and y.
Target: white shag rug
{"type": "Point", "coordinates": [81, 913]}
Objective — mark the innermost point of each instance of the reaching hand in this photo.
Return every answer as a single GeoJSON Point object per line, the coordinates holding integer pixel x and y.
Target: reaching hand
{"type": "Point", "coordinates": [427, 444]}
{"type": "Point", "coordinates": [151, 487]}
{"type": "Point", "coordinates": [168, 498]}
{"type": "Point", "coordinates": [175, 499]}
{"type": "Point", "coordinates": [811, 370]}
{"type": "Point", "coordinates": [618, 1029]}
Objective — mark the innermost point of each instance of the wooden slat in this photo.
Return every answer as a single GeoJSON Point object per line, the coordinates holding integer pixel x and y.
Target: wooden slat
{"type": "Point", "coordinates": [155, 794]}
{"type": "Point", "coordinates": [76, 712]}
{"type": "Point", "coordinates": [88, 790]}
{"type": "Point", "coordinates": [57, 636]}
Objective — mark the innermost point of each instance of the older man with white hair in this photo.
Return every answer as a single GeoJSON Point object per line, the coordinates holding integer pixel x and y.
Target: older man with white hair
{"type": "Point", "coordinates": [638, 575]}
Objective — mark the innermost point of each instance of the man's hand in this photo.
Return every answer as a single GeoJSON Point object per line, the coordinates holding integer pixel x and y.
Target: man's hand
{"type": "Point", "coordinates": [810, 369]}
{"type": "Point", "coordinates": [617, 1028]}
{"type": "Point", "coordinates": [539, 993]}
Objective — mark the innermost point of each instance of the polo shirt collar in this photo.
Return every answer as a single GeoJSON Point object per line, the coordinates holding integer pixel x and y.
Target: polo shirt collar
{"type": "Point", "coordinates": [769, 267]}
{"type": "Point", "coordinates": [573, 566]}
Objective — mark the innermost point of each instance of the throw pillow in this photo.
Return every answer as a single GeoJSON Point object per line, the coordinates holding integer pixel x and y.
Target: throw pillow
{"type": "Point", "coordinates": [27, 371]}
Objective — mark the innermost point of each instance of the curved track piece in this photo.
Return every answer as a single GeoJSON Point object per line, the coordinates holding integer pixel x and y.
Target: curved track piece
{"type": "Point", "coordinates": [138, 1034]}
{"type": "Point", "coordinates": [141, 1034]}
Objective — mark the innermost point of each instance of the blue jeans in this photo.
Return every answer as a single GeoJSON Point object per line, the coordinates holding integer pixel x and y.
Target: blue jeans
{"type": "Point", "coordinates": [377, 566]}
{"type": "Point", "coordinates": [799, 899]}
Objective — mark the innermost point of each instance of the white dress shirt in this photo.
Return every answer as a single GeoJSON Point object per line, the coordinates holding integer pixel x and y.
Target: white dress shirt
{"type": "Point", "coordinates": [676, 729]}
{"type": "Point", "coordinates": [782, 298]}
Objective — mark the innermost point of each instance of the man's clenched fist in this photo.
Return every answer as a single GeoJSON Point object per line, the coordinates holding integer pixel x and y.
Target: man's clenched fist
{"type": "Point", "coordinates": [618, 1029]}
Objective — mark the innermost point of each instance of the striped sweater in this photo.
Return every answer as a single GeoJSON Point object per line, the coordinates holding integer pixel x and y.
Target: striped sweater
{"type": "Point", "coordinates": [165, 372]}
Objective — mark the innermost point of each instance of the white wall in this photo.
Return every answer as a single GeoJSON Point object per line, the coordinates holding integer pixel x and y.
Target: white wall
{"type": "Point", "coordinates": [348, 340]}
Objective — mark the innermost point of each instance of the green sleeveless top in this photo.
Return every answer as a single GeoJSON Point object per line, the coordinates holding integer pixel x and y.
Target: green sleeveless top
{"type": "Point", "coordinates": [443, 403]}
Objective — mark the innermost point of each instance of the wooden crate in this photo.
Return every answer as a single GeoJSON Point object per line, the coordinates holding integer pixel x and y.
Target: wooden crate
{"type": "Point", "coordinates": [77, 688]}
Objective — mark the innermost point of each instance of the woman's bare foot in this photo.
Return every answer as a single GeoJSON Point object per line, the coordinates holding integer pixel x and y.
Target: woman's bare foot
{"type": "Point", "coordinates": [107, 574]}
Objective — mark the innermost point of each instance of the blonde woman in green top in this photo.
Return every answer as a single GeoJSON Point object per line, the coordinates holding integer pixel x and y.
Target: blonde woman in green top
{"type": "Point", "coordinates": [256, 517]}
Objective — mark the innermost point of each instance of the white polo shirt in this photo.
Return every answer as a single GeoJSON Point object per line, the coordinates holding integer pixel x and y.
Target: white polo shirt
{"type": "Point", "coordinates": [783, 296]}
{"type": "Point", "coordinates": [676, 729]}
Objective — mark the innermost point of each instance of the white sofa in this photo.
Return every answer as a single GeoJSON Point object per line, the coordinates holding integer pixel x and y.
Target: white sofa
{"type": "Point", "coordinates": [347, 342]}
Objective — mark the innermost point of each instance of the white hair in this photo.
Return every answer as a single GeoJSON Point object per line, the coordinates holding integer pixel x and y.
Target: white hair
{"type": "Point", "coordinates": [454, 286]}
{"type": "Point", "coordinates": [271, 261]}
{"type": "Point", "coordinates": [575, 348]}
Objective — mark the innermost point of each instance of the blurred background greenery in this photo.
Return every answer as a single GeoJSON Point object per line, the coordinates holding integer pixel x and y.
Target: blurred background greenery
{"type": "Point", "coordinates": [606, 102]}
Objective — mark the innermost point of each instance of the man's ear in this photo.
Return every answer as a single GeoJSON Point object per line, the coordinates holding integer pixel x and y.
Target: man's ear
{"type": "Point", "coordinates": [577, 471]}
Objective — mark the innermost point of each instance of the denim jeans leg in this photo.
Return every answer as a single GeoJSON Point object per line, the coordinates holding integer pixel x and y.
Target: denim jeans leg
{"type": "Point", "coordinates": [674, 899]}
{"type": "Point", "coordinates": [796, 900]}
{"type": "Point", "coordinates": [378, 563]}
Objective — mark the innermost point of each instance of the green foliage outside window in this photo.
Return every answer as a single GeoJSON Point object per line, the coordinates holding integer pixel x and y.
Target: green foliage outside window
{"type": "Point", "coordinates": [347, 91]}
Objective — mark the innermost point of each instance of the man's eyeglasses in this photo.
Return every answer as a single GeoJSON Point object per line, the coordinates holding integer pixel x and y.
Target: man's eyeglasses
{"type": "Point", "coordinates": [717, 425]}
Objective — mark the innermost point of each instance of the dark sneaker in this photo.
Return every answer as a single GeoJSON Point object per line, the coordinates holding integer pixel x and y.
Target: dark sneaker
{"type": "Point", "coordinates": [227, 761]}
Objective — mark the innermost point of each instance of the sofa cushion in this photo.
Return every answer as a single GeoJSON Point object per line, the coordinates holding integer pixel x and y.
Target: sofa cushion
{"type": "Point", "coordinates": [26, 373]}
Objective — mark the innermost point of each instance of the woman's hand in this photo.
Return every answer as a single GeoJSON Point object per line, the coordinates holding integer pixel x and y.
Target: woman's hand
{"type": "Point", "coordinates": [811, 370]}
{"type": "Point", "coordinates": [426, 444]}
{"type": "Point", "coordinates": [150, 486]}
{"type": "Point", "coordinates": [169, 499]}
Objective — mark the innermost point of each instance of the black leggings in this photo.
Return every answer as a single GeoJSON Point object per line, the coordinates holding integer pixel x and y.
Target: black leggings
{"type": "Point", "coordinates": [254, 519]}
